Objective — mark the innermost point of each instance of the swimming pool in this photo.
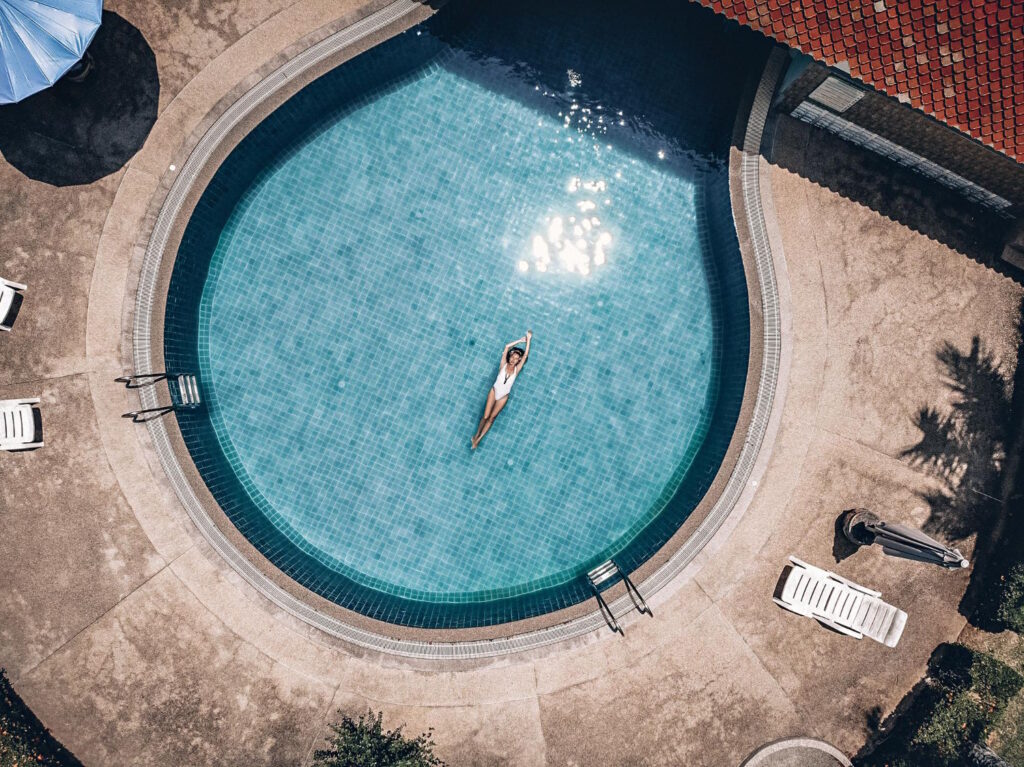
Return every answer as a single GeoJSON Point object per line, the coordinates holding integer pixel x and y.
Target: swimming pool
{"type": "Point", "coordinates": [349, 276]}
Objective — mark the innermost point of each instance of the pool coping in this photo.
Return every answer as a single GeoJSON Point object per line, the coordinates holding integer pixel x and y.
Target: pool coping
{"type": "Point", "coordinates": [730, 492]}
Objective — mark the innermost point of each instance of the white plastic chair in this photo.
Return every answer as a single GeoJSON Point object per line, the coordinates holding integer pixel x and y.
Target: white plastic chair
{"type": "Point", "coordinates": [8, 292]}
{"type": "Point", "coordinates": [18, 424]}
{"type": "Point", "coordinates": [840, 604]}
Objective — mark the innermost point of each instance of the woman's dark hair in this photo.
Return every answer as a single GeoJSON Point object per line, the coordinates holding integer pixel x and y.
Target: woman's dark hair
{"type": "Point", "coordinates": [514, 350]}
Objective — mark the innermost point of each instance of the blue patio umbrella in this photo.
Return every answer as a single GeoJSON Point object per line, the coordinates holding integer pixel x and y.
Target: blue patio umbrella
{"type": "Point", "coordinates": [40, 40]}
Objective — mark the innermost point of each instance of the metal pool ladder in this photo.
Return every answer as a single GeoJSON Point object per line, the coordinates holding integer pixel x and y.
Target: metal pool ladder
{"type": "Point", "coordinates": [605, 574]}
{"type": "Point", "coordinates": [183, 388]}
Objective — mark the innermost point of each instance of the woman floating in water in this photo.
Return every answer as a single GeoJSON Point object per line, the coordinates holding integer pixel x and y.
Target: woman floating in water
{"type": "Point", "coordinates": [512, 361]}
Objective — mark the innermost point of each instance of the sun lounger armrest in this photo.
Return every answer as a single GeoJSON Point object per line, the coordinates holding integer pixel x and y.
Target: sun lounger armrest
{"type": "Point", "coordinates": [836, 627]}
{"type": "Point", "coordinates": [12, 403]}
{"type": "Point", "coordinates": [15, 285]}
{"type": "Point", "coordinates": [13, 447]}
{"type": "Point", "coordinates": [829, 574]}
{"type": "Point", "coordinates": [810, 568]}
{"type": "Point", "coordinates": [791, 608]}
{"type": "Point", "coordinates": [855, 586]}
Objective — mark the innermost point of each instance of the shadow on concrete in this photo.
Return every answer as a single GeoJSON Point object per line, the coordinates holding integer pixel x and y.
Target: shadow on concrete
{"type": "Point", "coordinates": [889, 738]}
{"type": "Point", "coordinates": [37, 423]}
{"type": "Point", "coordinates": [895, 192]}
{"type": "Point", "coordinates": [966, 448]}
{"type": "Point", "coordinates": [965, 445]}
{"type": "Point", "coordinates": [76, 133]}
{"type": "Point", "coordinates": [15, 310]}
{"type": "Point", "coordinates": [23, 738]}
{"type": "Point", "coordinates": [842, 547]}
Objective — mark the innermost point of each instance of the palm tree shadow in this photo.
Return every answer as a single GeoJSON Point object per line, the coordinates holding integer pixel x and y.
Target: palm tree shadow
{"type": "Point", "coordinates": [76, 133]}
{"type": "Point", "coordinates": [965, 448]}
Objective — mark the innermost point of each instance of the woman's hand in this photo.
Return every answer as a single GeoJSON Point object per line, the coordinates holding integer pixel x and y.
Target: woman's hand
{"type": "Point", "coordinates": [529, 335]}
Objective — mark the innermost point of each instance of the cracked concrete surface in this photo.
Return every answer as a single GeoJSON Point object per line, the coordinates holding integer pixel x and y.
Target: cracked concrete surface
{"type": "Point", "coordinates": [135, 644]}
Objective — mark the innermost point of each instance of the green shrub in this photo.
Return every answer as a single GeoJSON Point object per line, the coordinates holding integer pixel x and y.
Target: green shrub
{"type": "Point", "coordinates": [963, 700]}
{"type": "Point", "coordinates": [364, 742]}
{"type": "Point", "coordinates": [973, 689]}
{"type": "Point", "coordinates": [1011, 603]}
{"type": "Point", "coordinates": [959, 720]}
{"type": "Point", "coordinates": [998, 680]}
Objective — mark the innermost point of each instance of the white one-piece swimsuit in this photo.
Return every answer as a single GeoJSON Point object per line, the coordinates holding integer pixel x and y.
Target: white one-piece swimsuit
{"type": "Point", "coordinates": [503, 383]}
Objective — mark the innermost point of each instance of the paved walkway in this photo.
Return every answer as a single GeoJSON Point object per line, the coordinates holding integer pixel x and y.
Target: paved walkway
{"type": "Point", "coordinates": [137, 645]}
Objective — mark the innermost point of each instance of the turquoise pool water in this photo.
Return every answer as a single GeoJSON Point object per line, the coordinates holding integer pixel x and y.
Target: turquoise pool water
{"type": "Point", "coordinates": [348, 281]}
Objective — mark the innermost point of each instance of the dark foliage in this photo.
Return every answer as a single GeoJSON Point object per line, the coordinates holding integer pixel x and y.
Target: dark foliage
{"type": "Point", "coordinates": [364, 742]}
{"type": "Point", "coordinates": [1011, 603]}
{"type": "Point", "coordinates": [962, 699]}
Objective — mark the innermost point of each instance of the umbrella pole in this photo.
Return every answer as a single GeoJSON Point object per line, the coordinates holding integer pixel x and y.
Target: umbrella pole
{"type": "Point", "coordinates": [855, 522]}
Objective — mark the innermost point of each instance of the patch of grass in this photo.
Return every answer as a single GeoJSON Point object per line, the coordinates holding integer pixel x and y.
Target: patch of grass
{"type": "Point", "coordinates": [23, 739]}
{"type": "Point", "coordinates": [1008, 735]}
{"type": "Point", "coordinates": [1011, 603]}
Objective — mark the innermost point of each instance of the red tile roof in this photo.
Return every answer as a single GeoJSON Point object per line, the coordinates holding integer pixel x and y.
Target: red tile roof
{"type": "Point", "coordinates": [961, 61]}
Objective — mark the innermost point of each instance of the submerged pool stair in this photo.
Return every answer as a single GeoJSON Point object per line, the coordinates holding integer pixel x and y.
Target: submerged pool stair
{"type": "Point", "coordinates": [182, 387]}
{"type": "Point", "coordinates": [606, 575]}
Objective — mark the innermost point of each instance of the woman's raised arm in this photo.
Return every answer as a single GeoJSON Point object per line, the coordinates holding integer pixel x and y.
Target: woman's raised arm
{"type": "Point", "coordinates": [527, 338]}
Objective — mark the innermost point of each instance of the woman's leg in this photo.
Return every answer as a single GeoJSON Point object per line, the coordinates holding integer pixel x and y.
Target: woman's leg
{"type": "Point", "coordinates": [488, 420]}
{"type": "Point", "coordinates": [487, 414]}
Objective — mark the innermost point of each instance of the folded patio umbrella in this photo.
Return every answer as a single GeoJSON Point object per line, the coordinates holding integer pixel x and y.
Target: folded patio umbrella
{"type": "Point", "coordinates": [40, 41]}
{"type": "Point", "coordinates": [902, 541]}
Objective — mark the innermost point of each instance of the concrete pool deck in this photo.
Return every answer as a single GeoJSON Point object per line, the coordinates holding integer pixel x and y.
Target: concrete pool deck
{"type": "Point", "coordinates": [136, 644]}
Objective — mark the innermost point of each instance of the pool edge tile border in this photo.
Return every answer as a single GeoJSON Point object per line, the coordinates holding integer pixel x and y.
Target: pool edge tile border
{"type": "Point", "coordinates": [751, 459]}
{"type": "Point", "coordinates": [760, 246]}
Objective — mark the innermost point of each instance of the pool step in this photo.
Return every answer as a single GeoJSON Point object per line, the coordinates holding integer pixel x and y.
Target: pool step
{"type": "Point", "coordinates": [606, 574]}
{"type": "Point", "coordinates": [188, 391]}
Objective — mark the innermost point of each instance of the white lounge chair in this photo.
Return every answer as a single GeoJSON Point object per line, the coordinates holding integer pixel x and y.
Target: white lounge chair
{"type": "Point", "coordinates": [840, 604]}
{"type": "Point", "coordinates": [8, 293]}
{"type": "Point", "coordinates": [18, 424]}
